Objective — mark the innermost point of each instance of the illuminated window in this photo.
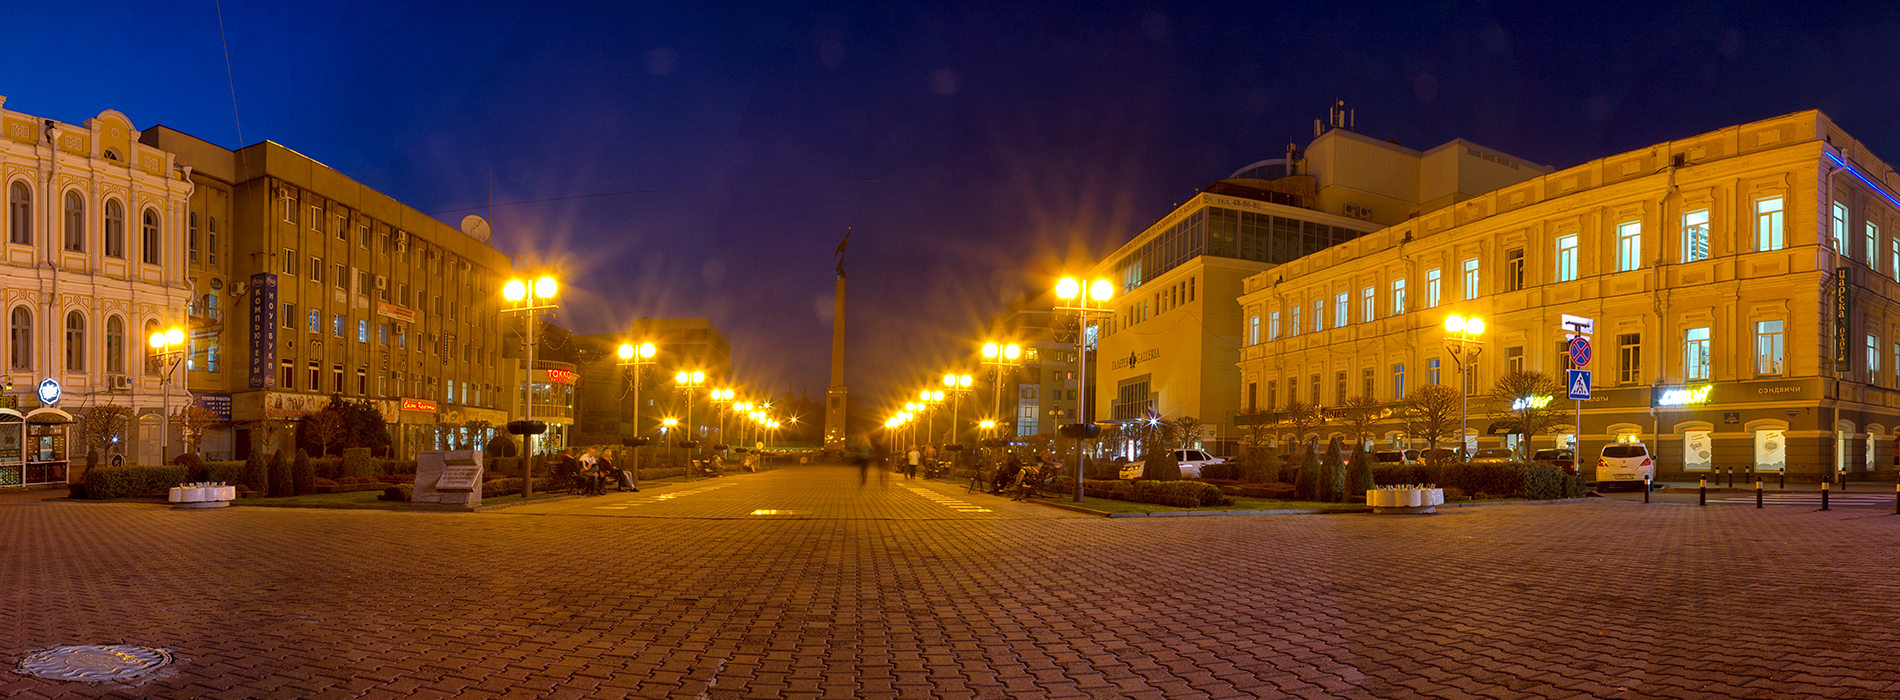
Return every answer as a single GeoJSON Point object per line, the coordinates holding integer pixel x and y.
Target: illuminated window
{"type": "Point", "coordinates": [1431, 288]}
{"type": "Point", "coordinates": [1567, 258]}
{"type": "Point", "coordinates": [1629, 246]}
{"type": "Point", "coordinates": [1368, 304]}
{"type": "Point", "coordinates": [1768, 224]}
{"type": "Point", "coordinates": [1398, 296]}
{"type": "Point", "coordinates": [1695, 355]}
{"type": "Point", "coordinates": [1839, 228]}
{"type": "Point", "coordinates": [1770, 344]}
{"type": "Point", "coordinates": [1471, 279]}
{"type": "Point", "coordinates": [1695, 236]}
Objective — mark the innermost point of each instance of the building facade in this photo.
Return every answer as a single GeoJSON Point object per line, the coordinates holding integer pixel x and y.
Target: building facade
{"type": "Point", "coordinates": [1741, 284]}
{"type": "Point", "coordinates": [93, 260]}
{"type": "Point", "coordinates": [1169, 350]}
{"type": "Point", "coordinates": [1041, 392]}
{"type": "Point", "coordinates": [307, 284]}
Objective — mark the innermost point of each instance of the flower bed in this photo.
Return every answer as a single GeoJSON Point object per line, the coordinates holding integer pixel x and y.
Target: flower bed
{"type": "Point", "coordinates": [1181, 494]}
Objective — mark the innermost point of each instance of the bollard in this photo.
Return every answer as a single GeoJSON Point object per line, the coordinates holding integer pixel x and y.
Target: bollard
{"type": "Point", "coordinates": [1843, 475]}
{"type": "Point", "coordinates": [1896, 499]}
{"type": "Point", "coordinates": [1783, 476]}
{"type": "Point", "coordinates": [1731, 475]}
{"type": "Point", "coordinates": [1702, 492]}
{"type": "Point", "coordinates": [1824, 496]}
{"type": "Point", "coordinates": [1645, 488]}
{"type": "Point", "coordinates": [1758, 493]}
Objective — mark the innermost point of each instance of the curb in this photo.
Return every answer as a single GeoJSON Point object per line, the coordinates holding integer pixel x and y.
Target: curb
{"type": "Point", "coordinates": [501, 506]}
{"type": "Point", "coordinates": [1077, 509]}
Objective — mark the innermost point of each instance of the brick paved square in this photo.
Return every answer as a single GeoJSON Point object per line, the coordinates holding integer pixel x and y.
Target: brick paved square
{"type": "Point", "coordinates": [880, 591]}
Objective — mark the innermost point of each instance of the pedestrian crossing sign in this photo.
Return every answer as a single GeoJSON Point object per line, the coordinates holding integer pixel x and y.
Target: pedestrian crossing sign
{"type": "Point", "coordinates": [1579, 381]}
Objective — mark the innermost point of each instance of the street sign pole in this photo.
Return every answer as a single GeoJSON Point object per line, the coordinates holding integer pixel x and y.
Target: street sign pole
{"type": "Point", "coordinates": [1580, 329]}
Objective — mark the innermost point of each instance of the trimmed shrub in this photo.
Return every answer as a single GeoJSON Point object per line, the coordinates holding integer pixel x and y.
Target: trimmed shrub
{"type": "Point", "coordinates": [1161, 466]}
{"type": "Point", "coordinates": [1264, 466]}
{"type": "Point", "coordinates": [328, 467]}
{"type": "Point", "coordinates": [1184, 494]}
{"type": "Point", "coordinates": [1305, 478]}
{"type": "Point", "coordinates": [303, 475]}
{"type": "Point", "coordinates": [1544, 482]}
{"type": "Point", "coordinates": [1333, 488]}
{"type": "Point", "coordinates": [1384, 474]}
{"type": "Point", "coordinates": [128, 481]}
{"type": "Point", "coordinates": [194, 466]}
{"type": "Point", "coordinates": [226, 472]}
{"type": "Point", "coordinates": [399, 467]}
{"type": "Point", "coordinates": [280, 483]}
{"type": "Point", "coordinates": [358, 462]}
{"type": "Point", "coordinates": [1358, 476]}
{"type": "Point", "coordinates": [501, 445]}
{"type": "Point", "coordinates": [397, 492]}
{"type": "Point", "coordinates": [1273, 492]}
{"type": "Point", "coordinates": [511, 487]}
{"type": "Point", "coordinates": [256, 475]}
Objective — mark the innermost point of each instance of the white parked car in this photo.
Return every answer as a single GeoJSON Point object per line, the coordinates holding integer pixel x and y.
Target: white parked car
{"type": "Point", "coordinates": [1191, 461]}
{"type": "Point", "coordinates": [1625, 462]}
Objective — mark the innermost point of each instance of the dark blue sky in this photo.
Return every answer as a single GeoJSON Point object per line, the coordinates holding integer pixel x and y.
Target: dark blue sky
{"type": "Point", "coordinates": [975, 149]}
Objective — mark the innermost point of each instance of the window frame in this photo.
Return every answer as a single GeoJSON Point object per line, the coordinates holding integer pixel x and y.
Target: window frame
{"type": "Point", "coordinates": [1629, 246]}
{"type": "Point", "coordinates": [1771, 346]}
{"type": "Point", "coordinates": [1696, 244]}
{"type": "Point", "coordinates": [1471, 279]}
{"type": "Point", "coordinates": [1567, 257]}
{"type": "Point", "coordinates": [1771, 226]}
{"type": "Point", "coordinates": [1696, 344]}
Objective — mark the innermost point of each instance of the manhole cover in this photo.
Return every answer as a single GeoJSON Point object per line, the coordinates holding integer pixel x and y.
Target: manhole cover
{"type": "Point", "coordinates": [94, 663]}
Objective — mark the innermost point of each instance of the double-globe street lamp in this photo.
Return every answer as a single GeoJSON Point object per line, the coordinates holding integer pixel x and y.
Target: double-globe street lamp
{"type": "Point", "coordinates": [168, 347]}
{"type": "Point", "coordinates": [957, 385]}
{"type": "Point", "coordinates": [998, 356]}
{"type": "Point", "coordinates": [688, 382]}
{"type": "Point", "coordinates": [1462, 351]}
{"type": "Point", "coordinates": [638, 357]}
{"type": "Point", "coordinates": [528, 298]}
{"type": "Point", "coordinates": [1069, 288]}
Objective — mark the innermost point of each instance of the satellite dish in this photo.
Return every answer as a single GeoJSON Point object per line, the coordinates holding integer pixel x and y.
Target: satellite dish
{"type": "Point", "coordinates": [476, 227]}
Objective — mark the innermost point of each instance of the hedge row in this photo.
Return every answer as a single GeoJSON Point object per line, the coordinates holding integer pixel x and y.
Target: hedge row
{"type": "Point", "coordinates": [1184, 494]}
{"type": "Point", "coordinates": [128, 481]}
{"type": "Point", "coordinates": [1537, 481]}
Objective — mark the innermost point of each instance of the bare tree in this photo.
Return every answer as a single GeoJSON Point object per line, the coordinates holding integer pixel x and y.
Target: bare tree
{"type": "Point", "coordinates": [195, 421]}
{"type": "Point", "coordinates": [1432, 414]}
{"type": "Point", "coordinates": [1357, 415]}
{"type": "Point", "coordinates": [1256, 427]}
{"type": "Point", "coordinates": [1524, 397]}
{"type": "Point", "coordinates": [326, 428]}
{"type": "Point", "coordinates": [1302, 418]}
{"type": "Point", "coordinates": [1187, 431]}
{"type": "Point", "coordinates": [104, 427]}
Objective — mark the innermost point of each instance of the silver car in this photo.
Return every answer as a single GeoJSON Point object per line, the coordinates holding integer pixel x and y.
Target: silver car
{"type": "Point", "coordinates": [1191, 462]}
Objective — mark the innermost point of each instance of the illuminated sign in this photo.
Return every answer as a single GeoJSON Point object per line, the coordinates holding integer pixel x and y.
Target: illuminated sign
{"type": "Point", "coordinates": [1678, 397]}
{"type": "Point", "coordinates": [418, 405]}
{"type": "Point", "coordinates": [399, 313]}
{"type": "Point", "coordinates": [561, 376]}
{"type": "Point", "coordinates": [49, 392]}
{"type": "Point", "coordinates": [1530, 402]}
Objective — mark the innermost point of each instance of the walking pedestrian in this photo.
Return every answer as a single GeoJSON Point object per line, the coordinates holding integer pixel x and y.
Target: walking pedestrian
{"type": "Point", "coordinates": [910, 468]}
{"type": "Point", "coordinates": [930, 461]}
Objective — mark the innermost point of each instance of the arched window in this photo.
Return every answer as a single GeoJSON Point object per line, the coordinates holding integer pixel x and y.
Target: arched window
{"type": "Point", "coordinates": [75, 342]}
{"type": "Point", "coordinates": [115, 345]}
{"type": "Point", "coordinates": [115, 229]}
{"type": "Point", "coordinates": [20, 337]}
{"type": "Point", "coordinates": [20, 214]}
{"type": "Point", "coordinates": [150, 246]}
{"type": "Point", "coordinates": [151, 353]}
{"type": "Point", "coordinates": [75, 222]}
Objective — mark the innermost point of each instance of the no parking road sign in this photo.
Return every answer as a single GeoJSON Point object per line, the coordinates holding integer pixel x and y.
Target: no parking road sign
{"type": "Point", "coordinates": [1579, 383]}
{"type": "Point", "coordinates": [1580, 351]}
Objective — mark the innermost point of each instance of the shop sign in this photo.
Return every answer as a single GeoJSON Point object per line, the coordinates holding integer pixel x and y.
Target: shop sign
{"type": "Point", "coordinates": [292, 406]}
{"type": "Point", "coordinates": [418, 405]}
{"type": "Point", "coordinates": [49, 391]}
{"type": "Point", "coordinates": [560, 376]}
{"type": "Point", "coordinates": [263, 331]}
{"type": "Point", "coordinates": [1843, 309]}
{"type": "Point", "coordinates": [1685, 395]}
{"type": "Point", "coordinates": [217, 404]}
{"type": "Point", "coordinates": [1134, 359]}
{"type": "Point", "coordinates": [1531, 402]}
{"type": "Point", "coordinates": [384, 308]}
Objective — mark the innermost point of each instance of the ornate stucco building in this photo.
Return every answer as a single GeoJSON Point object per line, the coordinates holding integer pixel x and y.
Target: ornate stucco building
{"type": "Point", "coordinates": [1741, 284]}
{"type": "Point", "coordinates": [93, 261]}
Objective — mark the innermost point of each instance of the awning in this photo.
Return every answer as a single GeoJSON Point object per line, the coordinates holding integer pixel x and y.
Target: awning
{"type": "Point", "coordinates": [8, 415]}
{"type": "Point", "coordinates": [1503, 427]}
{"type": "Point", "coordinates": [48, 415]}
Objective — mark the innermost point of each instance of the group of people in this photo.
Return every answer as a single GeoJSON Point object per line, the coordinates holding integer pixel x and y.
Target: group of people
{"type": "Point", "coordinates": [593, 470]}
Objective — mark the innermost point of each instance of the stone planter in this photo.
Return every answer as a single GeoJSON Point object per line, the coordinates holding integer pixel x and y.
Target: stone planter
{"type": "Point", "coordinates": [202, 496]}
{"type": "Point", "coordinates": [1405, 500]}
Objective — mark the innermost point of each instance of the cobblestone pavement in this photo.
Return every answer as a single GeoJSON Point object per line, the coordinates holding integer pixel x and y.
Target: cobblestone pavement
{"type": "Point", "coordinates": [1605, 599]}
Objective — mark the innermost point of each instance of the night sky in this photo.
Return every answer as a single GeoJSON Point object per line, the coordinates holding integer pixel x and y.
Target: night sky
{"type": "Point", "coordinates": [696, 159]}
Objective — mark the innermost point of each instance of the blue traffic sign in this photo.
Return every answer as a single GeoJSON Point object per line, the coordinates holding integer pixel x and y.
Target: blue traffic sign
{"type": "Point", "coordinates": [1579, 383]}
{"type": "Point", "coordinates": [1580, 351]}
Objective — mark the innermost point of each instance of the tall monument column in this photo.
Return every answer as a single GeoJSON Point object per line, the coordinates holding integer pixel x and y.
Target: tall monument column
{"type": "Point", "coordinates": [835, 395]}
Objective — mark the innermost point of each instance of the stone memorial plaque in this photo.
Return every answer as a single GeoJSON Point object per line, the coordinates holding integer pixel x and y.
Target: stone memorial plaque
{"type": "Point", "coordinates": [448, 477]}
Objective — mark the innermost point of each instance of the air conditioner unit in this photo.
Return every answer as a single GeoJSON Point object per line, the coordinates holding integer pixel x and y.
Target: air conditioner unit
{"type": "Point", "coordinates": [382, 282]}
{"type": "Point", "coordinates": [117, 381]}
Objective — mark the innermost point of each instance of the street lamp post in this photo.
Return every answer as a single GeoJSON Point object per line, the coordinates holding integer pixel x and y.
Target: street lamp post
{"type": "Point", "coordinates": [959, 385]}
{"type": "Point", "coordinates": [997, 356]}
{"type": "Point", "coordinates": [1099, 290]}
{"type": "Point", "coordinates": [672, 438]}
{"type": "Point", "coordinates": [1463, 352]}
{"type": "Point", "coordinates": [169, 349]}
{"type": "Point", "coordinates": [529, 298]}
{"type": "Point", "coordinates": [637, 357]}
{"type": "Point", "coordinates": [719, 399]}
{"type": "Point", "coordinates": [688, 382]}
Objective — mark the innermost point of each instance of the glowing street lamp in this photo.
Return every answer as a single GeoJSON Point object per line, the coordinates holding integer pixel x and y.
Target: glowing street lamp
{"type": "Point", "coordinates": [686, 382]}
{"type": "Point", "coordinates": [636, 357]}
{"type": "Point", "coordinates": [1462, 351]}
{"type": "Point", "coordinates": [168, 347]}
{"type": "Point", "coordinates": [1081, 293]}
{"type": "Point", "coordinates": [528, 297]}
